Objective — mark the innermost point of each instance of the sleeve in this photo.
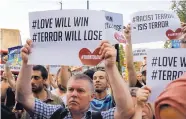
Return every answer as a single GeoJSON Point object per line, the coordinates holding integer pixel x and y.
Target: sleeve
{"type": "Point", "coordinates": [43, 110]}
{"type": "Point", "coordinates": [109, 114]}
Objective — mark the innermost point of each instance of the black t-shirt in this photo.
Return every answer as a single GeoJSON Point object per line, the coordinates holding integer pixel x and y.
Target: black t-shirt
{"type": "Point", "coordinates": [139, 85]}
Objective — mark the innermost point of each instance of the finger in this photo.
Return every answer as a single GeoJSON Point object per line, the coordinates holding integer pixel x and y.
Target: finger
{"type": "Point", "coordinates": [146, 91]}
{"type": "Point", "coordinates": [29, 42]}
{"type": "Point", "coordinates": [105, 44]}
{"type": "Point", "coordinates": [28, 48]}
{"type": "Point", "coordinates": [146, 88]}
{"type": "Point", "coordinates": [144, 99]}
{"type": "Point", "coordinates": [102, 42]}
{"type": "Point", "coordinates": [104, 52]}
{"type": "Point", "coordinates": [24, 50]}
{"type": "Point", "coordinates": [109, 54]}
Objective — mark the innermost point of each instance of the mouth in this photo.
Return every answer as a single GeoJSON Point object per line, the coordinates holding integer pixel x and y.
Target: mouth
{"type": "Point", "coordinates": [73, 102]}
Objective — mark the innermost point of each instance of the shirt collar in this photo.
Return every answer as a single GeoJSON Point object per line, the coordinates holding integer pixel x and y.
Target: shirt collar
{"type": "Point", "coordinates": [49, 97]}
{"type": "Point", "coordinates": [87, 114]}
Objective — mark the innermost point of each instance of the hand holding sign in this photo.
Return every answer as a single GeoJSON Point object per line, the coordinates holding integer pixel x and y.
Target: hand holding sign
{"type": "Point", "coordinates": [26, 50]}
{"type": "Point", "coordinates": [127, 33]}
{"type": "Point", "coordinates": [142, 95]}
{"type": "Point", "coordinates": [108, 53]}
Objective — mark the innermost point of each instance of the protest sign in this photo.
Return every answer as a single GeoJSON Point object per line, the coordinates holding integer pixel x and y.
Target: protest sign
{"type": "Point", "coordinates": [54, 69]}
{"type": "Point", "coordinates": [114, 26]}
{"type": "Point", "coordinates": [155, 25]}
{"type": "Point", "coordinates": [139, 54]}
{"type": "Point", "coordinates": [164, 66]}
{"type": "Point", "coordinates": [14, 56]}
{"type": "Point", "coordinates": [14, 59]}
{"type": "Point", "coordinates": [66, 37]}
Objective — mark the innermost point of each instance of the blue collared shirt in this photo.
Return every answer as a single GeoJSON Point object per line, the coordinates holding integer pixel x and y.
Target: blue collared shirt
{"type": "Point", "coordinates": [45, 111]}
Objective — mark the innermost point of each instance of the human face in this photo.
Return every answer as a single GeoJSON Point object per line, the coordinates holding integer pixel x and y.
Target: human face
{"type": "Point", "coordinates": [37, 82]}
{"type": "Point", "coordinates": [100, 81]}
{"type": "Point", "coordinates": [79, 95]}
{"type": "Point", "coordinates": [139, 77]}
{"type": "Point", "coordinates": [170, 113]}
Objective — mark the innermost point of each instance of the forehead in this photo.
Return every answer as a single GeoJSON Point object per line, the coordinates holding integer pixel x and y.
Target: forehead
{"type": "Point", "coordinates": [78, 83]}
{"type": "Point", "coordinates": [99, 73]}
{"type": "Point", "coordinates": [36, 72]}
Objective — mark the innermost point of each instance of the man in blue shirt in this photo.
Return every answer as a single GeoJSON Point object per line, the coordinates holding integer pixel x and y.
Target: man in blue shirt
{"type": "Point", "coordinates": [102, 101]}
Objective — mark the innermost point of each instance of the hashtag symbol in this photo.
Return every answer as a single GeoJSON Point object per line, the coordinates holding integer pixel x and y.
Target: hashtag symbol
{"type": "Point", "coordinates": [34, 38]}
{"type": "Point", "coordinates": [154, 74]}
{"type": "Point", "coordinates": [34, 23]}
{"type": "Point", "coordinates": [154, 61]}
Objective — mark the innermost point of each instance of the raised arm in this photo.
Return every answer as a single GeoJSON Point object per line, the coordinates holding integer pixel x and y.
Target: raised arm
{"type": "Point", "coordinates": [132, 77]}
{"type": "Point", "coordinates": [23, 85]}
{"type": "Point", "coordinates": [10, 78]}
{"type": "Point", "coordinates": [123, 99]}
{"type": "Point", "coordinates": [64, 75]}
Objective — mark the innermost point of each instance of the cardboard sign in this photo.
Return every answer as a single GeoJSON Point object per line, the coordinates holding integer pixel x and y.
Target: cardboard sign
{"type": "Point", "coordinates": [67, 37]}
{"type": "Point", "coordinates": [15, 68]}
{"type": "Point", "coordinates": [155, 25]}
{"type": "Point", "coordinates": [164, 66]}
{"type": "Point", "coordinates": [14, 56]}
{"type": "Point", "coordinates": [114, 26]}
{"type": "Point", "coordinates": [54, 69]}
{"type": "Point", "coordinates": [139, 54]}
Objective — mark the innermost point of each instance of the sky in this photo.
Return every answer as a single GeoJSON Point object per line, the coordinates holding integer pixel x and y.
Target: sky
{"type": "Point", "coordinates": [14, 13]}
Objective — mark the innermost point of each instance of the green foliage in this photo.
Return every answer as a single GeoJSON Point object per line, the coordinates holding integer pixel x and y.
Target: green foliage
{"type": "Point", "coordinates": [180, 8]}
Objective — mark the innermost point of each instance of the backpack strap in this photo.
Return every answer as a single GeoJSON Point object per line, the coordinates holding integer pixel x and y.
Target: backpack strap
{"type": "Point", "coordinates": [96, 115]}
{"type": "Point", "coordinates": [59, 113]}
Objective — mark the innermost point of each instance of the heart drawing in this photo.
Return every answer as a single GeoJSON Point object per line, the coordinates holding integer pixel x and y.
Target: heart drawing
{"type": "Point", "coordinates": [120, 38]}
{"type": "Point", "coordinates": [88, 58]}
{"type": "Point", "coordinates": [173, 35]}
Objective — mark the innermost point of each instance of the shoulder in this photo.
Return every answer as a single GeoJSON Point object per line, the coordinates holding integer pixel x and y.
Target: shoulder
{"type": "Point", "coordinates": [109, 114]}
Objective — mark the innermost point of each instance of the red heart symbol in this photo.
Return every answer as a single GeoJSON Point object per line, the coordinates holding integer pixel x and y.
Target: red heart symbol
{"type": "Point", "coordinates": [173, 35]}
{"type": "Point", "coordinates": [119, 38]}
{"type": "Point", "coordinates": [88, 58]}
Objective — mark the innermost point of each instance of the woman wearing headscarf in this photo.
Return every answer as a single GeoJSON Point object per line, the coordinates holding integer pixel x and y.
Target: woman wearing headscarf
{"type": "Point", "coordinates": [171, 104]}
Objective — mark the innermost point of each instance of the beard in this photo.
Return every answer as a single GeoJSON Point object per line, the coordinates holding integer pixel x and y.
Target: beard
{"type": "Point", "coordinates": [100, 90]}
{"type": "Point", "coordinates": [37, 89]}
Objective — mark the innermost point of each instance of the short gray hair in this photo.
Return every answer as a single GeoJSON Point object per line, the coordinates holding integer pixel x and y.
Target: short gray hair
{"type": "Point", "coordinates": [84, 77]}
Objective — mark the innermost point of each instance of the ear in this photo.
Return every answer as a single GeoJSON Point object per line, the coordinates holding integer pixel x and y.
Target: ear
{"type": "Point", "coordinates": [92, 96]}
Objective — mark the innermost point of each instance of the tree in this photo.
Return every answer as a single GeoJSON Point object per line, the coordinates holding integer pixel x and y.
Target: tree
{"type": "Point", "coordinates": [121, 58]}
{"type": "Point", "coordinates": [180, 8]}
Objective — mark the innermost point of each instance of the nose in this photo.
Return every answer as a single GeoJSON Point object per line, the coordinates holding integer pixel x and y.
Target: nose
{"type": "Point", "coordinates": [74, 93]}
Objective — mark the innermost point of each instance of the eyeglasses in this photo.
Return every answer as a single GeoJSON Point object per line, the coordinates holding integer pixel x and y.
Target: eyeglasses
{"type": "Point", "coordinates": [36, 77]}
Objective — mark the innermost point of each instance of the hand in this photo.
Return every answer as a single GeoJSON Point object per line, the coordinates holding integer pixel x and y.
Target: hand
{"type": "Point", "coordinates": [127, 33]}
{"type": "Point", "coordinates": [108, 53]}
{"type": "Point", "coordinates": [25, 51]}
{"type": "Point", "coordinates": [5, 58]}
{"type": "Point", "coordinates": [142, 95]}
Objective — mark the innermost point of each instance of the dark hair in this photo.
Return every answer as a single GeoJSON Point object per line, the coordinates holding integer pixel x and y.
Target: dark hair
{"type": "Point", "coordinates": [42, 69]}
{"type": "Point", "coordinates": [84, 77]}
{"type": "Point", "coordinates": [164, 106]}
{"type": "Point", "coordinates": [89, 73]}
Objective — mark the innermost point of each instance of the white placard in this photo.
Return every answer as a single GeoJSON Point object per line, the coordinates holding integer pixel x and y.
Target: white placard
{"type": "Point", "coordinates": [114, 26]}
{"type": "Point", "coordinates": [54, 69]}
{"type": "Point", "coordinates": [15, 68]}
{"type": "Point", "coordinates": [66, 37]}
{"type": "Point", "coordinates": [164, 66]}
{"type": "Point", "coordinates": [155, 25]}
{"type": "Point", "coordinates": [139, 54]}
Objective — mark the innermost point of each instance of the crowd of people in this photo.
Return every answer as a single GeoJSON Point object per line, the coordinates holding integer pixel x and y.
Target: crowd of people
{"type": "Point", "coordinates": [100, 93]}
